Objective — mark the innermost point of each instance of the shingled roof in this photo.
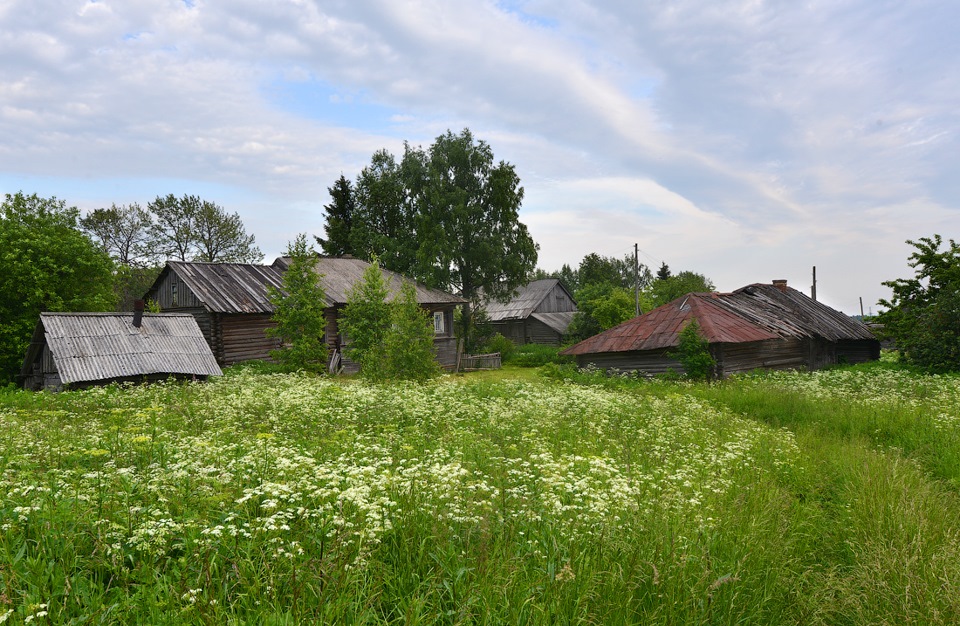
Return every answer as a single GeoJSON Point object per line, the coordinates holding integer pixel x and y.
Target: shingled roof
{"type": "Point", "coordinates": [89, 347]}
{"type": "Point", "coordinates": [753, 313]}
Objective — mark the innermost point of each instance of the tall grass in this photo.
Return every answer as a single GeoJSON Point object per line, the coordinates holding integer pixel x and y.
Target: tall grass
{"type": "Point", "coordinates": [286, 499]}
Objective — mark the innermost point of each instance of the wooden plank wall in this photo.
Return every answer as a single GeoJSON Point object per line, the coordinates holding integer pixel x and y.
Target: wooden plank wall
{"type": "Point", "coordinates": [163, 294]}
{"type": "Point", "coordinates": [244, 337]}
{"type": "Point", "coordinates": [557, 301]}
{"type": "Point", "coordinates": [734, 358]}
{"type": "Point", "coordinates": [538, 332]}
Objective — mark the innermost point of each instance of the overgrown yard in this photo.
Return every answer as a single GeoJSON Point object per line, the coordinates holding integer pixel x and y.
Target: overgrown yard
{"type": "Point", "coordinates": [827, 498]}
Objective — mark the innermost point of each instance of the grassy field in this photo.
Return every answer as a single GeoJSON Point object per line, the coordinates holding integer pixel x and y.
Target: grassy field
{"type": "Point", "coordinates": [507, 498]}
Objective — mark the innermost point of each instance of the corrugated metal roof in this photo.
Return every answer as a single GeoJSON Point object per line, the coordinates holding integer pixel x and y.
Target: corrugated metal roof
{"type": "Point", "coordinates": [753, 313]}
{"type": "Point", "coordinates": [340, 274]}
{"type": "Point", "coordinates": [101, 346]}
{"type": "Point", "coordinates": [524, 303]}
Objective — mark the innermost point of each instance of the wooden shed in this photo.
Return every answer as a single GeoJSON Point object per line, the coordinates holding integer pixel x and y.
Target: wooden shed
{"type": "Point", "coordinates": [232, 306]}
{"type": "Point", "coordinates": [760, 326]}
{"type": "Point", "coordinates": [540, 312]}
{"type": "Point", "coordinates": [83, 349]}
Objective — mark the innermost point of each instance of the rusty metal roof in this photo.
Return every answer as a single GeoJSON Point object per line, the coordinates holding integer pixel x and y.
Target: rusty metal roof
{"type": "Point", "coordinates": [753, 313]}
{"type": "Point", "coordinates": [90, 347]}
{"type": "Point", "coordinates": [524, 302]}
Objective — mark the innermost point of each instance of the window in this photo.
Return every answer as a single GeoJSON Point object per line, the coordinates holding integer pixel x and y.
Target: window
{"type": "Point", "coordinates": [438, 323]}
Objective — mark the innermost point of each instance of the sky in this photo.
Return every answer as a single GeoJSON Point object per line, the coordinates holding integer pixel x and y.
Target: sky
{"type": "Point", "coordinates": [745, 140]}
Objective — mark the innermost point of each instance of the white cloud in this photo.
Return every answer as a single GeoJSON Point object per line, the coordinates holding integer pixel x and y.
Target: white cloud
{"type": "Point", "coordinates": [723, 137]}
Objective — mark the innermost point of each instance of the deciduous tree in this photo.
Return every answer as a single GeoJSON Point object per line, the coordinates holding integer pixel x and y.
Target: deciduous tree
{"type": "Point", "coordinates": [923, 315]}
{"type": "Point", "coordinates": [192, 229]}
{"type": "Point", "coordinates": [469, 232]}
{"type": "Point", "coordinates": [46, 264]}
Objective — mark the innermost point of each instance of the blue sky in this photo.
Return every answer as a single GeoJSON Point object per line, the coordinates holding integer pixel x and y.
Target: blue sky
{"type": "Point", "coordinates": [745, 140]}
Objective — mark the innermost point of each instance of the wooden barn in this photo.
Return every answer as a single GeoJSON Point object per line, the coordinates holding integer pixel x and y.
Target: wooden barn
{"type": "Point", "coordinates": [760, 326]}
{"type": "Point", "coordinates": [232, 307]}
{"type": "Point", "coordinates": [83, 349]}
{"type": "Point", "coordinates": [540, 312]}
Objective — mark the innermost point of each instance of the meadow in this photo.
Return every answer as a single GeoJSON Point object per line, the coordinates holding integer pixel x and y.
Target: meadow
{"type": "Point", "coordinates": [568, 497]}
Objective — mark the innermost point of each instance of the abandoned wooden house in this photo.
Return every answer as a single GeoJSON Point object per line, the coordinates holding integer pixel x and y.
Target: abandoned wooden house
{"type": "Point", "coordinates": [760, 326]}
{"type": "Point", "coordinates": [79, 350]}
{"type": "Point", "coordinates": [232, 306]}
{"type": "Point", "coordinates": [540, 312]}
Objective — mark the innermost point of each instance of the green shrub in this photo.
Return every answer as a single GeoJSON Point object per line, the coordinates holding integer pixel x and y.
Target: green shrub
{"type": "Point", "coordinates": [694, 353]}
{"type": "Point", "coordinates": [499, 343]}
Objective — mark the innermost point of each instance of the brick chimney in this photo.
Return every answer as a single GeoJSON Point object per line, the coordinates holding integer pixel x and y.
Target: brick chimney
{"type": "Point", "coordinates": [780, 284]}
{"type": "Point", "coordinates": [138, 306]}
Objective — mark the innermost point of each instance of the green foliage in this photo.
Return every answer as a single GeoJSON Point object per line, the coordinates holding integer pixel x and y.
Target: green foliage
{"type": "Point", "coordinates": [192, 229]}
{"type": "Point", "coordinates": [923, 315]}
{"type": "Point", "coordinates": [299, 312]}
{"type": "Point", "coordinates": [340, 215]}
{"type": "Point", "coordinates": [261, 498]}
{"type": "Point", "coordinates": [499, 343]}
{"type": "Point", "coordinates": [448, 216]}
{"type": "Point", "coordinates": [125, 233]}
{"type": "Point", "coordinates": [693, 352]}
{"type": "Point", "coordinates": [664, 272]}
{"type": "Point", "coordinates": [601, 306]}
{"type": "Point", "coordinates": [388, 340]}
{"type": "Point", "coordinates": [666, 290]}
{"type": "Point", "coordinates": [384, 227]}
{"type": "Point", "coordinates": [408, 348]}
{"type": "Point", "coordinates": [365, 321]}
{"type": "Point", "coordinates": [46, 264]}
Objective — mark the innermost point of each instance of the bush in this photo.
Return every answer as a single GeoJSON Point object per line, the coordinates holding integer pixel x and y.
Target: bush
{"type": "Point", "coordinates": [499, 343]}
{"type": "Point", "coordinates": [694, 353]}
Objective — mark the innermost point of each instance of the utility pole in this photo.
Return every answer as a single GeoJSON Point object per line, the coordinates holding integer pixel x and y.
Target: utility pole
{"type": "Point", "coordinates": [813, 288]}
{"type": "Point", "coordinates": [636, 274]}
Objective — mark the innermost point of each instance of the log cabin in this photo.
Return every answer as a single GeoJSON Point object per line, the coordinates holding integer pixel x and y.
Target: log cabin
{"type": "Point", "coordinates": [760, 326]}
{"type": "Point", "coordinates": [232, 306]}
{"type": "Point", "coordinates": [539, 312]}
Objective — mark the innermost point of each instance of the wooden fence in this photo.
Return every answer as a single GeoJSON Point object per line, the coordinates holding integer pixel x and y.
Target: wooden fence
{"type": "Point", "coordinates": [474, 362]}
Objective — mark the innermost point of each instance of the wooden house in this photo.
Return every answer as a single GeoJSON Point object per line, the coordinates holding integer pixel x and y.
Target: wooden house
{"type": "Point", "coordinates": [540, 312]}
{"type": "Point", "coordinates": [232, 306]}
{"type": "Point", "coordinates": [760, 326]}
{"type": "Point", "coordinates": [83, 349]}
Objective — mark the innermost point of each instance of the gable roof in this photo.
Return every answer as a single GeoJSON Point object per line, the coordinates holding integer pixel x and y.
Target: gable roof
{"type": "Point", "coordinates": [340, 274]}
{"type": "Point", "coordinates": [243, 287]}
{"type": "Point", "coordinates": [753, 313]}
{"type": "Point", "coordinates": [228, 287]}
{"type": "Point", "coordinates": [524, 302]}
{"type": "Point", "coordinates": [90, 347]}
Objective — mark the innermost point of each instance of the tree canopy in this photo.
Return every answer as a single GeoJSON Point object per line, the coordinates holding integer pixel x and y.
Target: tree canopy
{"type": "Point", "coordinates": [923, 314]}
{"type": "Point", "coordinates": [46, 264]}
{"type": "Point", "coordinates": [339, 219]}
{"type": "Point", "coordinates": [447, 215]}
{"type": "Point", "coordinates": [605, 290]}
{"type": "Point", "coordinates": [192, 229]}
